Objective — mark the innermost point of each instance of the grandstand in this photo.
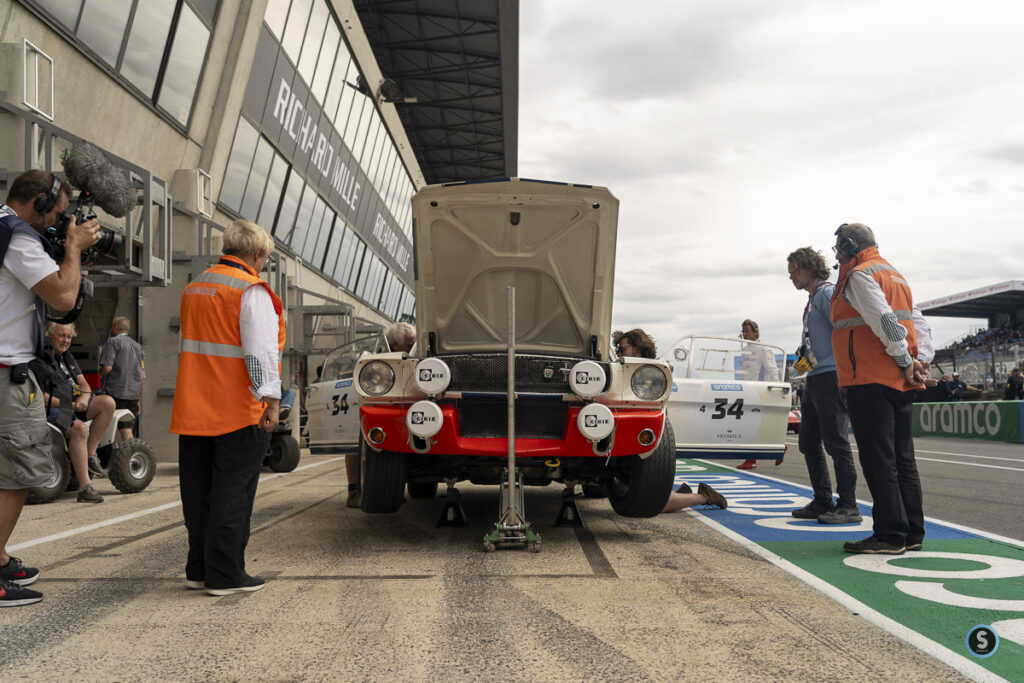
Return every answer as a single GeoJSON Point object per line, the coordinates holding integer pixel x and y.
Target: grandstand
{"type": "Point", "coordinates": [989, 353]}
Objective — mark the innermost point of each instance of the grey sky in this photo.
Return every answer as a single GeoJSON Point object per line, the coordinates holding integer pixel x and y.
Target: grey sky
{"type": "Point", "coordinates": [735, 131]}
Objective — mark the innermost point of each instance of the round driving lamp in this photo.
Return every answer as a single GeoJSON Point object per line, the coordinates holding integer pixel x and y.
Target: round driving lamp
{"type": "Point", "coordinates": [376, 378]}
{"type": "Point", "coordinates": [648, 383]}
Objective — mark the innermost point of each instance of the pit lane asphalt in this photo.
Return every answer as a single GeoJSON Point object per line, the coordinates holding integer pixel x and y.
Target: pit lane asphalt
{"type": "Point", "coordinates": [352, 596]}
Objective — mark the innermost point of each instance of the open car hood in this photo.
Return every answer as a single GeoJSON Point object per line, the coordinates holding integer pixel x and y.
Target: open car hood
{"type": "Point", "coordinates": [555, 243]}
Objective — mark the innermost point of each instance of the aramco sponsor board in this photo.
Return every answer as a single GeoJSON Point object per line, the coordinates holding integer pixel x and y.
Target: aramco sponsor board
{"type": "Point", "coordinates": [988, 420]}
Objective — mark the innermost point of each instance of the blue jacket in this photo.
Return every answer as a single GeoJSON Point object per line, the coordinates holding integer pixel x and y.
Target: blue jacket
{"type": "Point", "coordinates": [819, 327]}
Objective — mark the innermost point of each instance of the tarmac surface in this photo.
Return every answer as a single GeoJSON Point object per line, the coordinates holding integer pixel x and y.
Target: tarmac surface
{"type": "Point", "coordinates": [357, 597]}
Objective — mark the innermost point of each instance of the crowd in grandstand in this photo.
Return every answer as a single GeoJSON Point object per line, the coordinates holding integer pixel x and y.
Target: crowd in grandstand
{"type": "Point", "coordinates": [1006, 334]}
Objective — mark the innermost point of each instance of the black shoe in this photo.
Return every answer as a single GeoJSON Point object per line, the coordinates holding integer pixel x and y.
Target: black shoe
{"type": "Point", "coordinates": [841, 516]}
{"type": "Point", "coordinates": [872, 546]}
{"type": "Point", "coordinates": [249, 584]}
{"type": "Point", "coordinates": [914, 545]}
{"type": "Point", "coordinates": [284, 413]}
{"type": "Point", "coordinates": [15, 572]}
{"type": "Point", "coordinates": [812, 510]}
{"type": "Point", "coordinates": [13, 595]}
{"type": "Point", "coordinates": [96, 468]}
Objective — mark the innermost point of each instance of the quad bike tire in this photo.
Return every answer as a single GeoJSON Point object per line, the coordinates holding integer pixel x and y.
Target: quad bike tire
{"type": "Point", "coordinates": [282, 453]}
{"type": "Point", "coordinates": [646, 483]}
{"type": "Point", "coordinates": [382, 479]}
{"type": "Point", "coordinates": [47, 494]}
{"type": "Point", "coordinates": [132, 465]}
{"type": "Point", "coordinates": [422, 490]}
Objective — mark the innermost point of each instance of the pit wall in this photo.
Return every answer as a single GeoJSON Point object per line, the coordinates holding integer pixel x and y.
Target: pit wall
{"type": "Point", "coordinates": [982, 420]}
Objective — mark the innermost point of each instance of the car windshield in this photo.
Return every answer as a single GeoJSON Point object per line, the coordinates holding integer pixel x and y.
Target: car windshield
{"type": "Point", "coordinates": [725, 358]}
{"type": "Point", "coordinates": [342, 360]}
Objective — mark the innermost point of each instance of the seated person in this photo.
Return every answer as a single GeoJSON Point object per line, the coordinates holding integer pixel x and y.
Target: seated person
{"type": "Point", "coordinates": [401, 337]}
{"type": "Point", "coordinates": [82, 442]}
{"type": "Point", "coordinates": [637, 344]}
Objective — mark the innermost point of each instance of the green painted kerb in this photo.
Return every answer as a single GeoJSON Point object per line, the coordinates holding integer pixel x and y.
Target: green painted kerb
{"type": "Point", "coordinates": [986, 420]}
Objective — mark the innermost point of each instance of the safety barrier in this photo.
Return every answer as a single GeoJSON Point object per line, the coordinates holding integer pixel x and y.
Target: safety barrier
{"type": "Point", "coordinates": [986, 420]}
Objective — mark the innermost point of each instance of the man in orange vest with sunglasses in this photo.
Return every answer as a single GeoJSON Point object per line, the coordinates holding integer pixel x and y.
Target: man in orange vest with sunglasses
{"type": "Point", "coordinates": [226, 403]}
{"type": "Point", "coordinates": [882, 346]}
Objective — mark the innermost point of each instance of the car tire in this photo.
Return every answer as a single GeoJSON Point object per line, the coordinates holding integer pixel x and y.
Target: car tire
{"type": "Point", "coordinates": [382, 477]}
{"type": "Point", "coordinates": [282, 453]}
{"type": "Point", "coordinates": [645, 484]}
{"type": "Point", "coordinates": [47, 494]}
{"type": "Point", "coordinates": [132, 465]}
{"type": "Point", "coordinates": [422, 490]}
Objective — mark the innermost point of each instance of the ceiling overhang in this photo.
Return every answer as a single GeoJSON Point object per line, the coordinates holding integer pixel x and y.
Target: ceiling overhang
{"type": "Point", "coordinates": [455, 64]}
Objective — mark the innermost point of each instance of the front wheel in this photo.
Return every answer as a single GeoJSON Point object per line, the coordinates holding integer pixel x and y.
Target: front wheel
{"type": "Point", "coordinates": [282, 453]}
{"type": "Point", "coordinates": [644, 486]}
{"type": "Point", "coordinates": [383, 476]}
{"type": "Point", "coordinates": [132, 465]}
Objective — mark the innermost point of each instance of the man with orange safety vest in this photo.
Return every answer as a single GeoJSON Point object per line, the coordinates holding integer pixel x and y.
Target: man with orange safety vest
{"type": "Point", "coordinates": [226, 403]}
{"type": "Point", "coordinates": [882, 346]}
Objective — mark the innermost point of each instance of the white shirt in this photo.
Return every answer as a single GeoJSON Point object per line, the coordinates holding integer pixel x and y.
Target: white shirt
{"type": "Point", "coordinates": [258, 326]}
{"type": "Point", "coordinates": [25, 265]}
{"type": "Point", "coordinates": [867, 297]}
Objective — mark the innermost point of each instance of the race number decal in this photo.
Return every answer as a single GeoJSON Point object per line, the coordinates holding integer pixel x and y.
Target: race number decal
{"type": "Point", "coordinates": [728, 412]}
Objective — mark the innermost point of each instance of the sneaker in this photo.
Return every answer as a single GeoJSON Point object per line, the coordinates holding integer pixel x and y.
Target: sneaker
{"type": "Point", "coordinates": [841, 516]}
{"type": "Point", "coordinates": [96, 467]}
{"type": "Point", "coordinates": [747, 465]}
{"type": "Point", "coordinates": [89, 495]}
{"type": "Point", "coordinates": [283, 414]}
{"type": "Point", "coordinates": [15, 572]}
{"type": "Point", "coordinates": [812, 510]}
{"type": "Point", "coordinates": [872, 546]}
{"type": "Point", "coordinates": [249, 584]}
{"type": "Point", "coordinates": [194, 585]}
{"type": "Point", "coordinates": [684, 488]}
{"type": "Point", "coordinates": [712, 496]}
{"type": "Point", "coordinates": [13, 595]}
{"type": "Point", "coordinates": [354, 498]}
{"type": "Point", "coordinates": [914, 545]}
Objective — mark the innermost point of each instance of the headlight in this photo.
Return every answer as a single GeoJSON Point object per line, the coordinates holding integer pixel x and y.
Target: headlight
{"type": "Point", "coordinates": [376, 378]}
{"type": "Point", "coordinates": [648, 383]}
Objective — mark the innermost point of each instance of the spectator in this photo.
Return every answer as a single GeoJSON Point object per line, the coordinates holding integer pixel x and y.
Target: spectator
{"type": "Point", "coordinates": [757, 364]}
{"type": "Point", "coordinates": [1014, 386]}
{"type": "Point", "coordinates": [883, 347]}
{"type": "Point", "coordinates": [956, 388]}
{"type": "Point", "coordinates": [823, 417]}
{"type": "Point", "coordinates": [82, 441]}
{"type": "Point", "coordinates": [30, 279]}
{"type": "Point", "coordinates": [123, 369]}
{"type": "Point", "coordinates": [637, 344]}
{"type": "Point", "coordinates": [226, 403]}
{"type": "Point", "coordinates": [401, 337]}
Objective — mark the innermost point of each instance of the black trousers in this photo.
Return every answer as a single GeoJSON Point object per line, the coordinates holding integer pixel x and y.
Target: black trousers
{"type": "Point", "coordinates": [823, 417]}
{"type": "Point", "coordinates": [882, 423]}
{"type": "Point", "coordinates": [218, 477]}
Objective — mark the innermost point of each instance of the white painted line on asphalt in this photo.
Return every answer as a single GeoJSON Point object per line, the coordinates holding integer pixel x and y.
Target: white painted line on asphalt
{"type": "Point", "coordinates": [929, 646]}
{"type": "Point", "coordinates": [972, 464]}
{"type": "Point", "coordinates": [140, 513]}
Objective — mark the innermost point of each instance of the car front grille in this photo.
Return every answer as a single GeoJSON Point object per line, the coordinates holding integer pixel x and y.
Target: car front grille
{"type": "Point", "coordinates": [488, 373]}
{"type": "Point", "coordinates": [535, 419]}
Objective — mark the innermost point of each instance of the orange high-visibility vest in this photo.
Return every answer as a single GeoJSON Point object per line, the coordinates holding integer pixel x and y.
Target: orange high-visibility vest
{"type": "Point", "coordinates": [212, 395]}
{"type": "Point", "coordinates": [860, 355]}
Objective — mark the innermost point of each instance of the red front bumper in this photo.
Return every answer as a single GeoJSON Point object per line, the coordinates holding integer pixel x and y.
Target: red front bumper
{"type": "Point", "coordinates": [629, 422]}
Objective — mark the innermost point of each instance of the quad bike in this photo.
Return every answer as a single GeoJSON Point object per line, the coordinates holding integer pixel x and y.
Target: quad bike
{"type": "Point", "coordinates": [130, 464]}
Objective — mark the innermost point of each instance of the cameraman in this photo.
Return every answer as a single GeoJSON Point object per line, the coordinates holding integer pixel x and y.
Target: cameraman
{"type": "Point", "coordinates": [30, 278]}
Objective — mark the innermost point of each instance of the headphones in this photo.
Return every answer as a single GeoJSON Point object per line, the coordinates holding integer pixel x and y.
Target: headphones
{"type": "Point", "coordinates": [45, 203]}
{"type": "Point", "coordinates": [846, 245]}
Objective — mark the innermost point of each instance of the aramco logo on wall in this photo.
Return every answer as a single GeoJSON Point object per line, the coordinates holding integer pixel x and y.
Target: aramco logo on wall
{"type": "Point", "coordinates": [960, 419]}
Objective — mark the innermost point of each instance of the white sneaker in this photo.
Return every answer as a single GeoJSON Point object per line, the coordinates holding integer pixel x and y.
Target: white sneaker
{"type": "Point", "coordinates": [249, 584]}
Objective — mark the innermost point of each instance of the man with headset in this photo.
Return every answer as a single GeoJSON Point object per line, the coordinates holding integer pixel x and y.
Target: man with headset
{"type": "Point", "coordinates": [30, 279]}
{"type": "Point", "coordinates": [882, 347]}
